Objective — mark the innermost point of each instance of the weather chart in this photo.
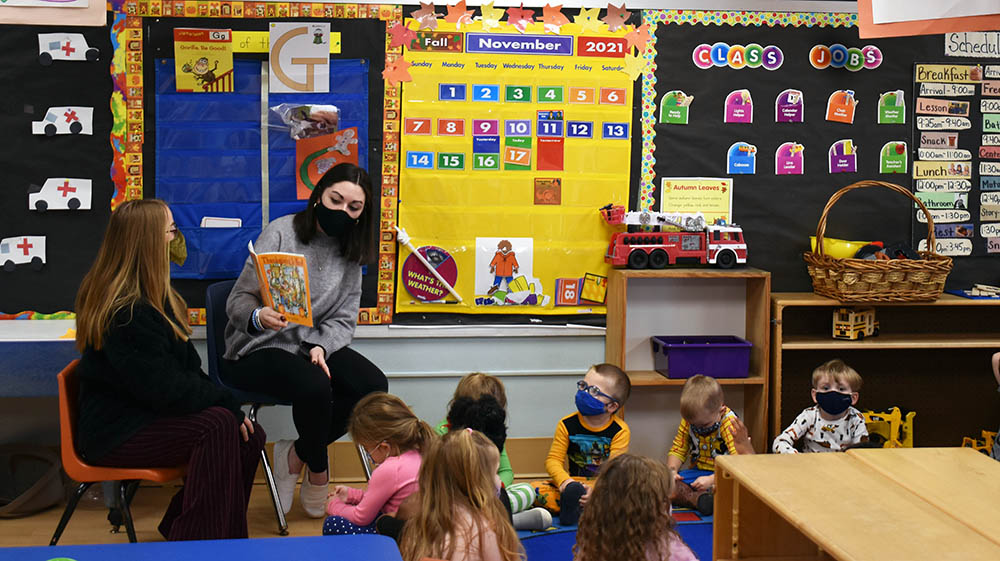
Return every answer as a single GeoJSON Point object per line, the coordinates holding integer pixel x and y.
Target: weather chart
{"type": "Point", "coordinates": [513, 135]}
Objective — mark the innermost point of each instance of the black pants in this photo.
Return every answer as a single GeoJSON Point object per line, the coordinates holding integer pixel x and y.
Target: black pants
{"type": "Point", "coordinates": [321, 406]}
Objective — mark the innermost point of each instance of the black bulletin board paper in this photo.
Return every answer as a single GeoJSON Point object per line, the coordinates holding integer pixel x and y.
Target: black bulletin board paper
{"type": "Point", "coordinates": [779, 212]}
{"type": "Point", "coordinates": [27, 90]}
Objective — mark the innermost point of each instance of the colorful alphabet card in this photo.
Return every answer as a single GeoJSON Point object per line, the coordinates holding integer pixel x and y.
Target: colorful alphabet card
{"type": "Point", "coordinates": [674, 107]}
{"type": "Point", "coordinates": [203, 60]}
{"type": "Point", "coordinates": [892, 159]}
{"type": "Point", "coordinates": [741, 159]}
{"type": "Point", "coordinates": [840, 107]}
{"type": "Point", "coordinates": [739, 107]}
{"type": "Point", "coordinates": [891, 108]}
{"type": "Point", "coordinates": [299, 57]}
{"type": "Point", "coordinates": [789, 159]}
{"type": "Point", "coordinates": [789, 107]}
{"type": "Point", "coordinates": [843, 156]}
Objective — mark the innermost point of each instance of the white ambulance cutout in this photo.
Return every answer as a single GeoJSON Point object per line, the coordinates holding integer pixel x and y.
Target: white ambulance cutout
{"type": "Point", "coordinates": [20, 250]}
{"type": "Point", "coordinates": [65, 120]}
{"type": "Point", "coordinates": [65, 46]}
{"type": "Point", "coordinates": [61, 193]}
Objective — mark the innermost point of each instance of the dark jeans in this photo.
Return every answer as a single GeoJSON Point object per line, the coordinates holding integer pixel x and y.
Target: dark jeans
{"type": "Point", "coordinates": [321, 406]}
{"type": "Point", "coordinates": [212, 504]}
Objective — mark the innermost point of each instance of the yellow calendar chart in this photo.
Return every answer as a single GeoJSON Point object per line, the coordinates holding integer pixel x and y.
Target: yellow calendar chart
{"type": "Point", "coordinates": [510, 143]}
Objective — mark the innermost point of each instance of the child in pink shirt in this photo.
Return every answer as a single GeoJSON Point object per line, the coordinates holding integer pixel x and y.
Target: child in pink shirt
{"type": "Point", "coordinates": [394, 438]}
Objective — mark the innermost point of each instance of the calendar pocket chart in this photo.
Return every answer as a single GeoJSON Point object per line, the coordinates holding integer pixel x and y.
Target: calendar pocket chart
{"type": "Point", "coordinates": [485, 124]}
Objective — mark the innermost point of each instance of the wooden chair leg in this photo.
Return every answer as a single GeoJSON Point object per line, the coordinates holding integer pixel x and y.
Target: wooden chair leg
{"type": "Point", "coordinates": [123, 506]}
{"type": "Point", "coordinates": [70, 507]}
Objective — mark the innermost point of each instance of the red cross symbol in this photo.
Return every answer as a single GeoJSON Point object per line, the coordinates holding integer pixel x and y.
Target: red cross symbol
{"type": "Point", "coordinates": [67, 49]}
{"type": "Point", "coordinates": [65, 189]}
{"type": "Point", "coordinates": [70, 116]}
{"type": "Point", "coordinates": [25, 246]}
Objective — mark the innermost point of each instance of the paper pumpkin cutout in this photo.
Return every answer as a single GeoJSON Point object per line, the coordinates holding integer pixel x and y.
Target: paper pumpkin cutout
{"type": "Point", "coordinates": [741, 159]}
{"type": "Point", "coordinates": [789, 107]}
{"type": "Point", "coordinates": [739, 107]}
{"type": "Point", "coordinates": [674, 107]}
{"type": "Point", "coordinates": [892, 158]}
{"type": "Point", "coordinates": [61, 193]}
{"type": "Point", "coordinates": [789, 159]}
{"type": "Point", "coordinates": [21, 250]}
{"type": "Point", "coordinates": [843, 156]}
{"type": "Point", "coordinates": [891, 108]}
{"type": "Point", "coordinates": [840, 107]}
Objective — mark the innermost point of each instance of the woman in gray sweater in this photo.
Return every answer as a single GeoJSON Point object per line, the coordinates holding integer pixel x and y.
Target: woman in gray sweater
{"type": "Point", "coordinates": [312, 367]}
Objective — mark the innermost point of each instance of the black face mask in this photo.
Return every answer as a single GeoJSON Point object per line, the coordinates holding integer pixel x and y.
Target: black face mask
{"type": "Point", "coordinates": [336, 223]}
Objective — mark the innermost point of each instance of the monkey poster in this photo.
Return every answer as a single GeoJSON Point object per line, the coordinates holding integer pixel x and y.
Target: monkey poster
{"type": "Point", "coordinates": [203, 60]}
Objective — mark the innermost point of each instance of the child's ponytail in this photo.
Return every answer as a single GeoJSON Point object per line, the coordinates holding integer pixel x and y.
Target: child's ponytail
{"type": "Point", "coordinates": [384, 417]}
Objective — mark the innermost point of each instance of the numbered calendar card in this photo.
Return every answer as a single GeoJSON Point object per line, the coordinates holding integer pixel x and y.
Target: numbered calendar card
{"type": "Point", "coordinates": [518, 138]}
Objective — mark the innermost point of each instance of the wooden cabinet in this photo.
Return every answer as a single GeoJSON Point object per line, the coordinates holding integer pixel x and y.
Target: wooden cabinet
{"type": "Point", "coordinates": [929, 357]}
{"type": "Point", "coordinates": [643, 303]}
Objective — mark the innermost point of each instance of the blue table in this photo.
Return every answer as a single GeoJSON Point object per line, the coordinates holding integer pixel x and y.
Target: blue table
{"type": "Point", "coordinates": [341, 548]}
{"type": "Point", "coordinates": [29, 368]}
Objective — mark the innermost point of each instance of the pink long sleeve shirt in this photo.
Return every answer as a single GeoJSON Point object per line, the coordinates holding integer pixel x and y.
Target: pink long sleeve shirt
{"type": "Point", "coordinates": [391, 482]}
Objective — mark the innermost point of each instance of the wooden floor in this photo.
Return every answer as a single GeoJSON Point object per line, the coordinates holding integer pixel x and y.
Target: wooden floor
{"type": "Point", "coordinates": [89, 524]}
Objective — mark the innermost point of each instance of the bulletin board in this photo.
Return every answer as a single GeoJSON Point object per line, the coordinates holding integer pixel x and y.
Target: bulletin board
{"type": "Point", "coordinates": [779, 211]}
{"type": "Point", "coordinates": [511, 141]}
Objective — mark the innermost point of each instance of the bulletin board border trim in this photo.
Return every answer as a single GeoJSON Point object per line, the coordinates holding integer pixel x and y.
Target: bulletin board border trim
{"type": "Point", "coordinates": [128, 109]}
{"type": "Point", "coordinates": [647, 186]}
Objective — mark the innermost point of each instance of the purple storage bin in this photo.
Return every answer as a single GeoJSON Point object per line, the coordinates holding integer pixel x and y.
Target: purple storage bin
{"type": "Point", "coordinates": [717, 356]}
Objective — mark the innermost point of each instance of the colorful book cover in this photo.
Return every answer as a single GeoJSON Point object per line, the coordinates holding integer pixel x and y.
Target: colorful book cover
{"type": "Point", "coordinates": [203, 60]}
{"type": "Point", "coordinates": [284, 284]}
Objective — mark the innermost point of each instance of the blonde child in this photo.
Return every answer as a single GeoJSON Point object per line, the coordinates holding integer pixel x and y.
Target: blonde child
{"type": "Point", "coordinates": [587, 439]}
{"type": "Point", "coordinates": [708, 429]}
{"type": "Point", "coordinates": [459, 517]}
{"type": "Point", "coordinates": [395, 439]}
{"type": "Point", "coordinates": [832, 424]}
{"type": "Point", "coordinates": [628, 515]}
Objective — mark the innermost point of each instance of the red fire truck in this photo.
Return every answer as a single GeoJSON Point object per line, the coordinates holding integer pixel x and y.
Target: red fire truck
{"type": "Point", "coordinates": [696, 243]}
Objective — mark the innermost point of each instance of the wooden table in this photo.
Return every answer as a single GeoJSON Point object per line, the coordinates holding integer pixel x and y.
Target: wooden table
{"type": "Point", "coordinates": [836, 506]}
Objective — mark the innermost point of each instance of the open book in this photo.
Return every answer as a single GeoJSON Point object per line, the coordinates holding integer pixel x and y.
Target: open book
{"type": "Point", "coordinates": [284, 284]}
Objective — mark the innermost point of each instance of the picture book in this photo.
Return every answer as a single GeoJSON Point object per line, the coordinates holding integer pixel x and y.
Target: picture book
{"type": "Point", "coordinates": [284, 284]}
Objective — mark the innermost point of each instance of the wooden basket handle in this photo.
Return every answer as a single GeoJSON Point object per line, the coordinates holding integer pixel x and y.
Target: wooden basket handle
{"type": "Point", "coordinates": [821, 227]}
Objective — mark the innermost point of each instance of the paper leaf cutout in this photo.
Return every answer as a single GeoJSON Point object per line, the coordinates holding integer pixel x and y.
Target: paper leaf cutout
{"type": "Point", "coordinates": [638, 37]}
{"type": "Point", "coordinates": [426, 16]}
{"type": "Point", "coordinates": [397, 72]}
{"type": "Point", "coordinates": [634, 65]}
{"type": "Point", "coordinates": [616, 17]}
{"type": "Point", "coordinates": [401, 36]}
{"type": "Point", "coordinates": [520, 18]}
{"type": "Point", "coordinates": [491, 16]}
{"type": "Point", "coordinates": [458, 15]}
{"type": "Point", "coordinates": [588, 20]}
{"type": "Point", "coordinates": [553, 18]}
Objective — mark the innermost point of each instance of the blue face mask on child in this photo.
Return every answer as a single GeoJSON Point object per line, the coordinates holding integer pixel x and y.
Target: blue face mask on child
{"type": "Point", "coordinates": [588, 405]}
{"type": "Point", "coordinates": [834, 403]}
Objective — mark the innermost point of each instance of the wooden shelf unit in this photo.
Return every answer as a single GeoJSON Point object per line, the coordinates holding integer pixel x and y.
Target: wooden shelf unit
{"type": "Point", "coordinates": [698, 301]}
{"type": "Point", "coordinates": [954, 335]}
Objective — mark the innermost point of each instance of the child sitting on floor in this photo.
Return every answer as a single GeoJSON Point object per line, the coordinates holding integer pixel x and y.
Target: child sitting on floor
{"type": "Point", "coordinates": [459, 517]}
{"type": "Point", "coordinates": [587, 439]}
{"type": "Point", "coordinates": [394, 438]}
{"type": "Point", "coordinates": [832, 424]}
{"type": "Point", "coordinates": [708, 429]}
{"type": "Point", "coordinates": [628, 515]}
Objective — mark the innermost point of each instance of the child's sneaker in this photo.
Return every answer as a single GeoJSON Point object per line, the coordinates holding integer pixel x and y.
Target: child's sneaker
{"type": "Point", "coordinates": [313, 498]}
{"type": "Point", "coordinates": [284, 482]}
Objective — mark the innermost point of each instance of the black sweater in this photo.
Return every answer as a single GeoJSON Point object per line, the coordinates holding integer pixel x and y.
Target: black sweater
{"type": "Point", "coordinates": [143, 372]}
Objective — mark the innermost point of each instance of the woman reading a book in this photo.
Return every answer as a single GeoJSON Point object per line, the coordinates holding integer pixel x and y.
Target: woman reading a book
{"type": "Point", "coordinates": [305, 358]}
{"type": "Point", "coordinates": [144, 400]}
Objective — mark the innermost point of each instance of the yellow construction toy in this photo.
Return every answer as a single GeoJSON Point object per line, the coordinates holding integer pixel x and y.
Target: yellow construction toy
{"type": "Point", "coordinates": [890, 428]}
{"type": "Point", "coordinates": [854, 323]}
{"type": "Point", "coordinates": [985, 445]}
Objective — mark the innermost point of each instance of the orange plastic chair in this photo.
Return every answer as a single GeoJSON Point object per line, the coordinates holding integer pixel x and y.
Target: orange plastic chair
{"type": "Point", "coordinates": [86, 474]}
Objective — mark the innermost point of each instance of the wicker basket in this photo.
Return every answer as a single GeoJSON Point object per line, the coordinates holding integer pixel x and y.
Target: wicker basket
{"type": "Point", "coordinates": [863, 280]}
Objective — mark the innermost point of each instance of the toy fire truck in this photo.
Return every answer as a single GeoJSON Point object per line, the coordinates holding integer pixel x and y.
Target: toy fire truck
{"type": "Point", "coordinates": [695, 243]}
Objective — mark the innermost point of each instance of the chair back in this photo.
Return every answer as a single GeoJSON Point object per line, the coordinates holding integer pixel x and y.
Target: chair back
{"type": "Point", "coordinates": [69, 393]}
{"type": "Point", "coordinates": [215, 325]}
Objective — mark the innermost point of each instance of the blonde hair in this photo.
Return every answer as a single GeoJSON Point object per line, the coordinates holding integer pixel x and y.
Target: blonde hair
{"type": "Point", "coordinates": [457, 473]}
{"type": "Point", "coordinates": [381, 416]}
{"type": "Point", "coordinates": [477, 384]}
{"type": "Point", "coordinates": [619, 379]}
{"type": "Point", "coordinates": [838, 371]}
{"type": "Point", "coordinates": [627, 513]}
{"type": "Point", "coordinates": [131, 265]}
{"type": "Point", "coordinates": [701, 394]}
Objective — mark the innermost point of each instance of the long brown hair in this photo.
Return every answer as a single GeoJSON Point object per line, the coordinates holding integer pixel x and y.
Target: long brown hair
{"type": "Point", "coordinates": [381, 416]}
{"type": "Point", "coordinates": [457, 472]}
{"type": "Point", "coordinates": [627, 512]}
{"type": "Point", "coordinates": [360, 244]}
{"type": "Point", "coordinates": [132, 265]}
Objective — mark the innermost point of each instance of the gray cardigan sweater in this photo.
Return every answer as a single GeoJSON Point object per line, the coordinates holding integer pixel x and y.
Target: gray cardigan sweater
{"type": "Point", "coordinates": [334, 287]}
